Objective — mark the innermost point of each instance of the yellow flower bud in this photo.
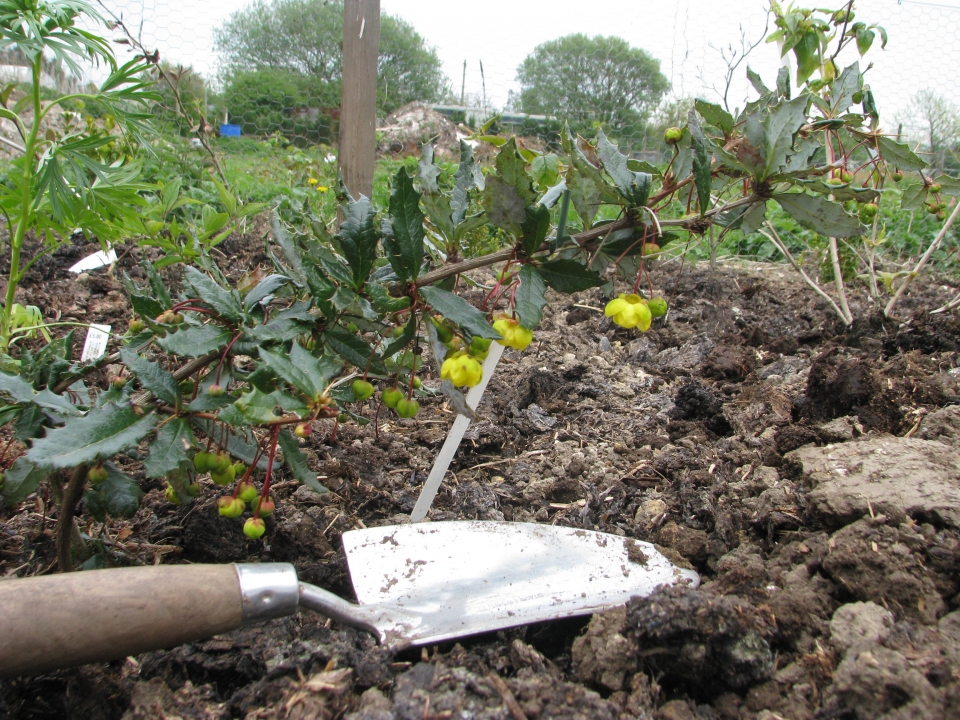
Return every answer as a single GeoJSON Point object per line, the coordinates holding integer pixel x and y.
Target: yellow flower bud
{"type": "Point", "coordinates": [462, 370]}
{"type": "Point", "coordinates": [629, 311]}
{"type": "Point", "coordinates": [513, 333]}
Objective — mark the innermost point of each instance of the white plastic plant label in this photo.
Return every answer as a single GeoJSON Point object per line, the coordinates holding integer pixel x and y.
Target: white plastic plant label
{"type": "Point", "coordinates": [96, 343]}
{"type": "Point", "coordinates": [92, 262]}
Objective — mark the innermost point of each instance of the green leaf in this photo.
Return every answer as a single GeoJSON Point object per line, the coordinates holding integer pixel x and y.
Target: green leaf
{"type": "Point", "coordinates": [568, 276]}
{"type": "Point", "coordinates": [534, 228]}
{"type": "Point", "coordinates": [753, 218]}
{"type": "Point", "coordinates": [427, 170]}
{"type": "Point", "coordinates": [290, 251]}
{"type": "Point", "coordinates": [634, 187]}
{"type": "Point", "coordinates": [20, 391]}
{"type": "Point", "coordinates": [715, 115]}
{"type": "Point", "coordinates": [504, 206]}
{"type": "Point", "coordinates": [701, 162]}
{"type": "Point", "coordinates": [236, 446]}
{"type": "Point", "coordinates": [808, 57]}
{"type": "Point", "coordinates": [264, 289]}
{"type": "Point", "coordinates": [817, 213]}
{"type": "Point", "coordinates": [169, 448]}
{"type": "Point", "coordinates": [320, 370]}
{"type": "Point", "coordinates": [253, 407]}
{"type": "Point", "coordinates": [757, 82]}
{"type": "Point", "coordinates": [21, 479]}
{"type": "Point", "coordinates": [584, 194]}
{"type": "Point", "coordinates": [157, 286]}
{"type": "Point", "coordinates": [383, 301]}
{"type": "Point", "coordinates": [404, 244]}
{"type": "Point", "coordinates": [29, 423]}
{"type": "Point", "coordinates": [899, 155]}
{"type": "Point", "coordinates": [195, 341]}
{"type": "Point", "coordinates": [222, 301]}
{"type": "Point", "coordinates": [101, 433]}
{"type": "Point", "coordinates": [467, 177]}
{"type": "Point", "coordinates": [914, 196]}
{"type": "Point", "coordinates": [146, 306]}
{"type": "Point", "coordinates": [949, 185]}
{"type": "Point", "coordinates": [358, 240]}
{"type": "Point", "coordinates": [294, 459]}
{"type": "Point", "coordinates": [205, 402]}
{"type": "Point", "coordinates": [354, 350]}
{"type": "Point", "coordinates": [458, 311]}
{"type": "Point", "coordinates": [531, 297]}
{"type": "Point", "coordinates": [865, 38]}
{"type": "Point", "coordinates": [153, 377]}
{"type": "Point", "coordinates": [780, 125]}
{"type": "Point", "coordinates": [845, 87]}
{"type": "Point", "coordinates": [291, 373]}
{"type": "Point", "coordinates": [545, 170]}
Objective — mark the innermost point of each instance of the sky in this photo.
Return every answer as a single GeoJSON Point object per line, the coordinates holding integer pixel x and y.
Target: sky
{"type": "Point", "coordinates": [686, 36]}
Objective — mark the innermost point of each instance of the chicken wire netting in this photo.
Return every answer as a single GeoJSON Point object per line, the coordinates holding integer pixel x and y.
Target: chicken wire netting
{"type": "Point", "coordinates": [269, 70]}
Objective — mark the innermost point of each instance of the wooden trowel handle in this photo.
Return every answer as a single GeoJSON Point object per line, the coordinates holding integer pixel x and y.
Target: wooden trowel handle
{"type": "Point", "coordinates": [64, 620]}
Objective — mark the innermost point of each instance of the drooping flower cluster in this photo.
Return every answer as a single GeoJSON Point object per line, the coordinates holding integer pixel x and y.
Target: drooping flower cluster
{"type": "Point", "coordinates": [514, 335]}
{"type": "Point", "coordinates": [462, 370]}
{"type": "Point", "coordinates": [629, 311]}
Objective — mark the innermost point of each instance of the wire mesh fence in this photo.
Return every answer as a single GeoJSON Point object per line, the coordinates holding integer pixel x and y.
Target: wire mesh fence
{"type": "Point", "coordinates": [267, 74]}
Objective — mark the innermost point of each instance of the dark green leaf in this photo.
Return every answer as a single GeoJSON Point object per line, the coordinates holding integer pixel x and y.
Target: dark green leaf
{"type": "Point", "coordinates": [504, 205]}
{"type": "Point", "coordinates": [236, 446]}
{"type": "Point", "coordinates": [753, 218]}
{"type": "Point", "coordinates": [817, 213]}
{"type": "Point", "coordinates": [808, 56]}
{"type": "Point", "coordinates": [404, 244]}
{"type": "Point", "coordinates": [146, 306]}
{"type": "Point", "coordinates": [266, 287]}
{"type": "Point", "coordinates": [222, 301]}
{"type": "Point", "coordinates": [121, 494]}
{"type": "Point", "coordinates": [458, 311]}
{"type": "Point", "coordinates": [779, 126]}
{"type": "Point", "coordinates": [545, 170]}
{"type": "Point", "coordinates": [29, 422]}
{"type": "Point", "coordinates": [783, 82]}
{"type": "Point", "coordinates": [358, 240]}
{"type": "Point", "coordinates": [320, 370]}
{"type": "Point", "coordinates": [567, 276]}
{"type": "Point", "coordinates": [157, 285]}
{"type": "Point", "coordinates": [864, 39]}
{"type": "Point", "coordinates": [253, 406]}
{"type": "Point", "coordinates": [153, 377]}
{"type": "Point", "coordinates": [512, 170]}
{"type": "Point", "coordinates": [914, 196]}
{"type": "Point", "coordinates": [467, 177]}
{"type": "Point", "coordinates": [715, 115]}
{"type": "Point", "coordinates": [291, 373]}
{"type": "Point", "coordinates": [196, 340]}
{"type": "Point", "coordinates": [531, 297]}
{"type": "Point", "coordinates": [844, 88]}
{"type": "Point", "coordinates": [634, 187]}
{"type": "Point", "coordinates": [204, 402]}
{"type": "Point", "coordinates": [584, 194]}
{"type": "Point", "coordinates": [354, 350]}
{"type": "Point", "coordinates": [21, 479]}
{"type": "Point", "coordinates": [101, 433]}
{"type": "Point", "coordinates": [534, 229]}
{"type": "Point", "coordinates": [383, 301]}
{"type": "Point", "coordinates": [948, 185]}
{"type": "Point", "coordinates": [290, 251]}
{"type": "Point", "coordinates": [701, 162]}
{"type": "Point", "coordinates": [169, 448]}
{"type": "Point", "coordinates": [21, 391]}
{"type": "Point", "coordinates": [294, 459]}
{"type": "Point", "coordinates": [757, 83]}
{"type": "Point", "coordinates": [899, 155]}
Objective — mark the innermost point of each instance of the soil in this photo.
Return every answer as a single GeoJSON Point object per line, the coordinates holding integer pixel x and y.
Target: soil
{"type": "Point", "coordinates": [808, 471]}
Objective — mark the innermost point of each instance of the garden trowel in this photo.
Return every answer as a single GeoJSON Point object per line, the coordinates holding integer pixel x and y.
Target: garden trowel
{"type": "Point", "coordinates": [416, 584]}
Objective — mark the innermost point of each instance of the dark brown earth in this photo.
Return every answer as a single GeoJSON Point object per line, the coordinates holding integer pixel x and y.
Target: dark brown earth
{"type": "Point", "coordinates": [813, 604]}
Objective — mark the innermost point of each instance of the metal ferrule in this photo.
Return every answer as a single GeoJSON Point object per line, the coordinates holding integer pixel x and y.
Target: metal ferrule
{"type": "Point", "coordinates": [267, 590]}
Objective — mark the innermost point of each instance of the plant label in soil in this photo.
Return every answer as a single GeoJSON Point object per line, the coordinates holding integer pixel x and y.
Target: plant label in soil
{"type": "Point", "coordinates": [96, 343]}
{"type": "Point", "coordinates": [97, 260]}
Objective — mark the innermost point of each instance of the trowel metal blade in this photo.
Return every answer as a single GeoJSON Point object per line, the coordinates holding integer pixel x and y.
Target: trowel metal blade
{"type": "Point", "coordinates": [466, 577]}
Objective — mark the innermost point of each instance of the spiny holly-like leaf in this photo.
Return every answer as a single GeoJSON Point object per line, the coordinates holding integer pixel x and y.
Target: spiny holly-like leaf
{"type": "Point", "coordinates": [253, 406]}
{"type": "Point", "coordinates": [294, 459]}
{"type": "Point", "coordinates": [757, 82]}
{"type": "Point", "coordinates": [224, 302]}
{"type": "Point", "coordinates": [779, 127]}
{"type": "Point", "coordinates": [459, 311]}
{"type": "Point", "coordinates": [512, 169]}
{"type": "Point", "coordinates": [534, 228]}
{"type": "Point", "coordinates": [584, 194]}
{"type": "Point", "coordinates": [120, 492]}
{"type": "Point", "coordinates": [153, 377]}
{"type": "Point", "coordinates": [264, 289]}
{"type": "Point", "coordinates": [291, 373]}
{"type": "Point", "coordinates": [467, 177]}
{"type": "Point", "coordinates": [817, 213]}
{"type": "Point", "coordinates": [701, 161]}
{"type": "Point", "coordinates": [633, 186]}
{"type": "Point", "coordinates": [358, 239]}
{"type": "Point", "coordinates": [899, 155]}
{"type": "Point", "coordinates": [504, 206]}
{"type": "Point", "coordinates": [29, 423]}
{"type": "Point", "coordinates": [20, 391]}
{"type": "Point", "coordinates": [157, 286]}
{"type": "Point", "coordinates": [404, 244]}
{"type": "Point", "coordinates": [101, 433]}
{"type": "Point", "coordinates": [531, 297]}
{"type": "Point", "coordinates": [715, 115]}
{"type": "Point", "coordinates": [146, 306]}
{"type": "Point", "coordinates": [568, 276]}
{"type": "Point", "coordinates": [406, 337]}
{"type": "Point", "coordinates": [21, 479]}
{"type": "Point", "coordinates": [753, 218]}
{"type": "Point", "coordinates": [914, 196]}
{"type": "Point", "coordinates": [845, 88]}
{"type": "Point", "coordinates": [427, 170]}
{"type": "Point", "coordinates": [354, 350]}
{"type": "Point", "coordinates": [196, 340]}
{"type": "Point", "coordinates": [169, 448]}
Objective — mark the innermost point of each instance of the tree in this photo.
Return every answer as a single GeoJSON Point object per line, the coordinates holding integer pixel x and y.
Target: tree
{"type": "Point", "coordinates": [303, 39]}
{"type": "Point", "coordinates": [933, 120]}
{"type": "Point", "coordinates": [586, 80]}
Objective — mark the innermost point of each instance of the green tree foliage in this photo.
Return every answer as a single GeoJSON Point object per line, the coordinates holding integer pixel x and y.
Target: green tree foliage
{"type": "Point", "coordinates": [302, 39]}
{"type": "Point", "coordinates": [586, 80]}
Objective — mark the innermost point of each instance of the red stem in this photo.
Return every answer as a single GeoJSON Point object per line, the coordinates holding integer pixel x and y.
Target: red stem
{"type": "Point", "coordinates": [224, 356]}
{"type": "Point", "coordinates": [265, 492]}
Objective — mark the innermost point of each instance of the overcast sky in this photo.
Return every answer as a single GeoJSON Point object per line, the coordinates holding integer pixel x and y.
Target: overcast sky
{"type": "Point", "coordinates": [923, 51]}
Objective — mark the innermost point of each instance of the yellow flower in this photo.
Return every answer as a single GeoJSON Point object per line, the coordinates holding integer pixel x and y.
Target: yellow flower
{"type": "Point", "coordinates": [322, 188]}
{"type": "Point", "coordinates": [312, 181]}
{"type": "Point", "coordinates": [513, 333]}
{"type": "Point", "coordinates": [629, 311]}
{"type": "Point", "coordinates": [461, 370]}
